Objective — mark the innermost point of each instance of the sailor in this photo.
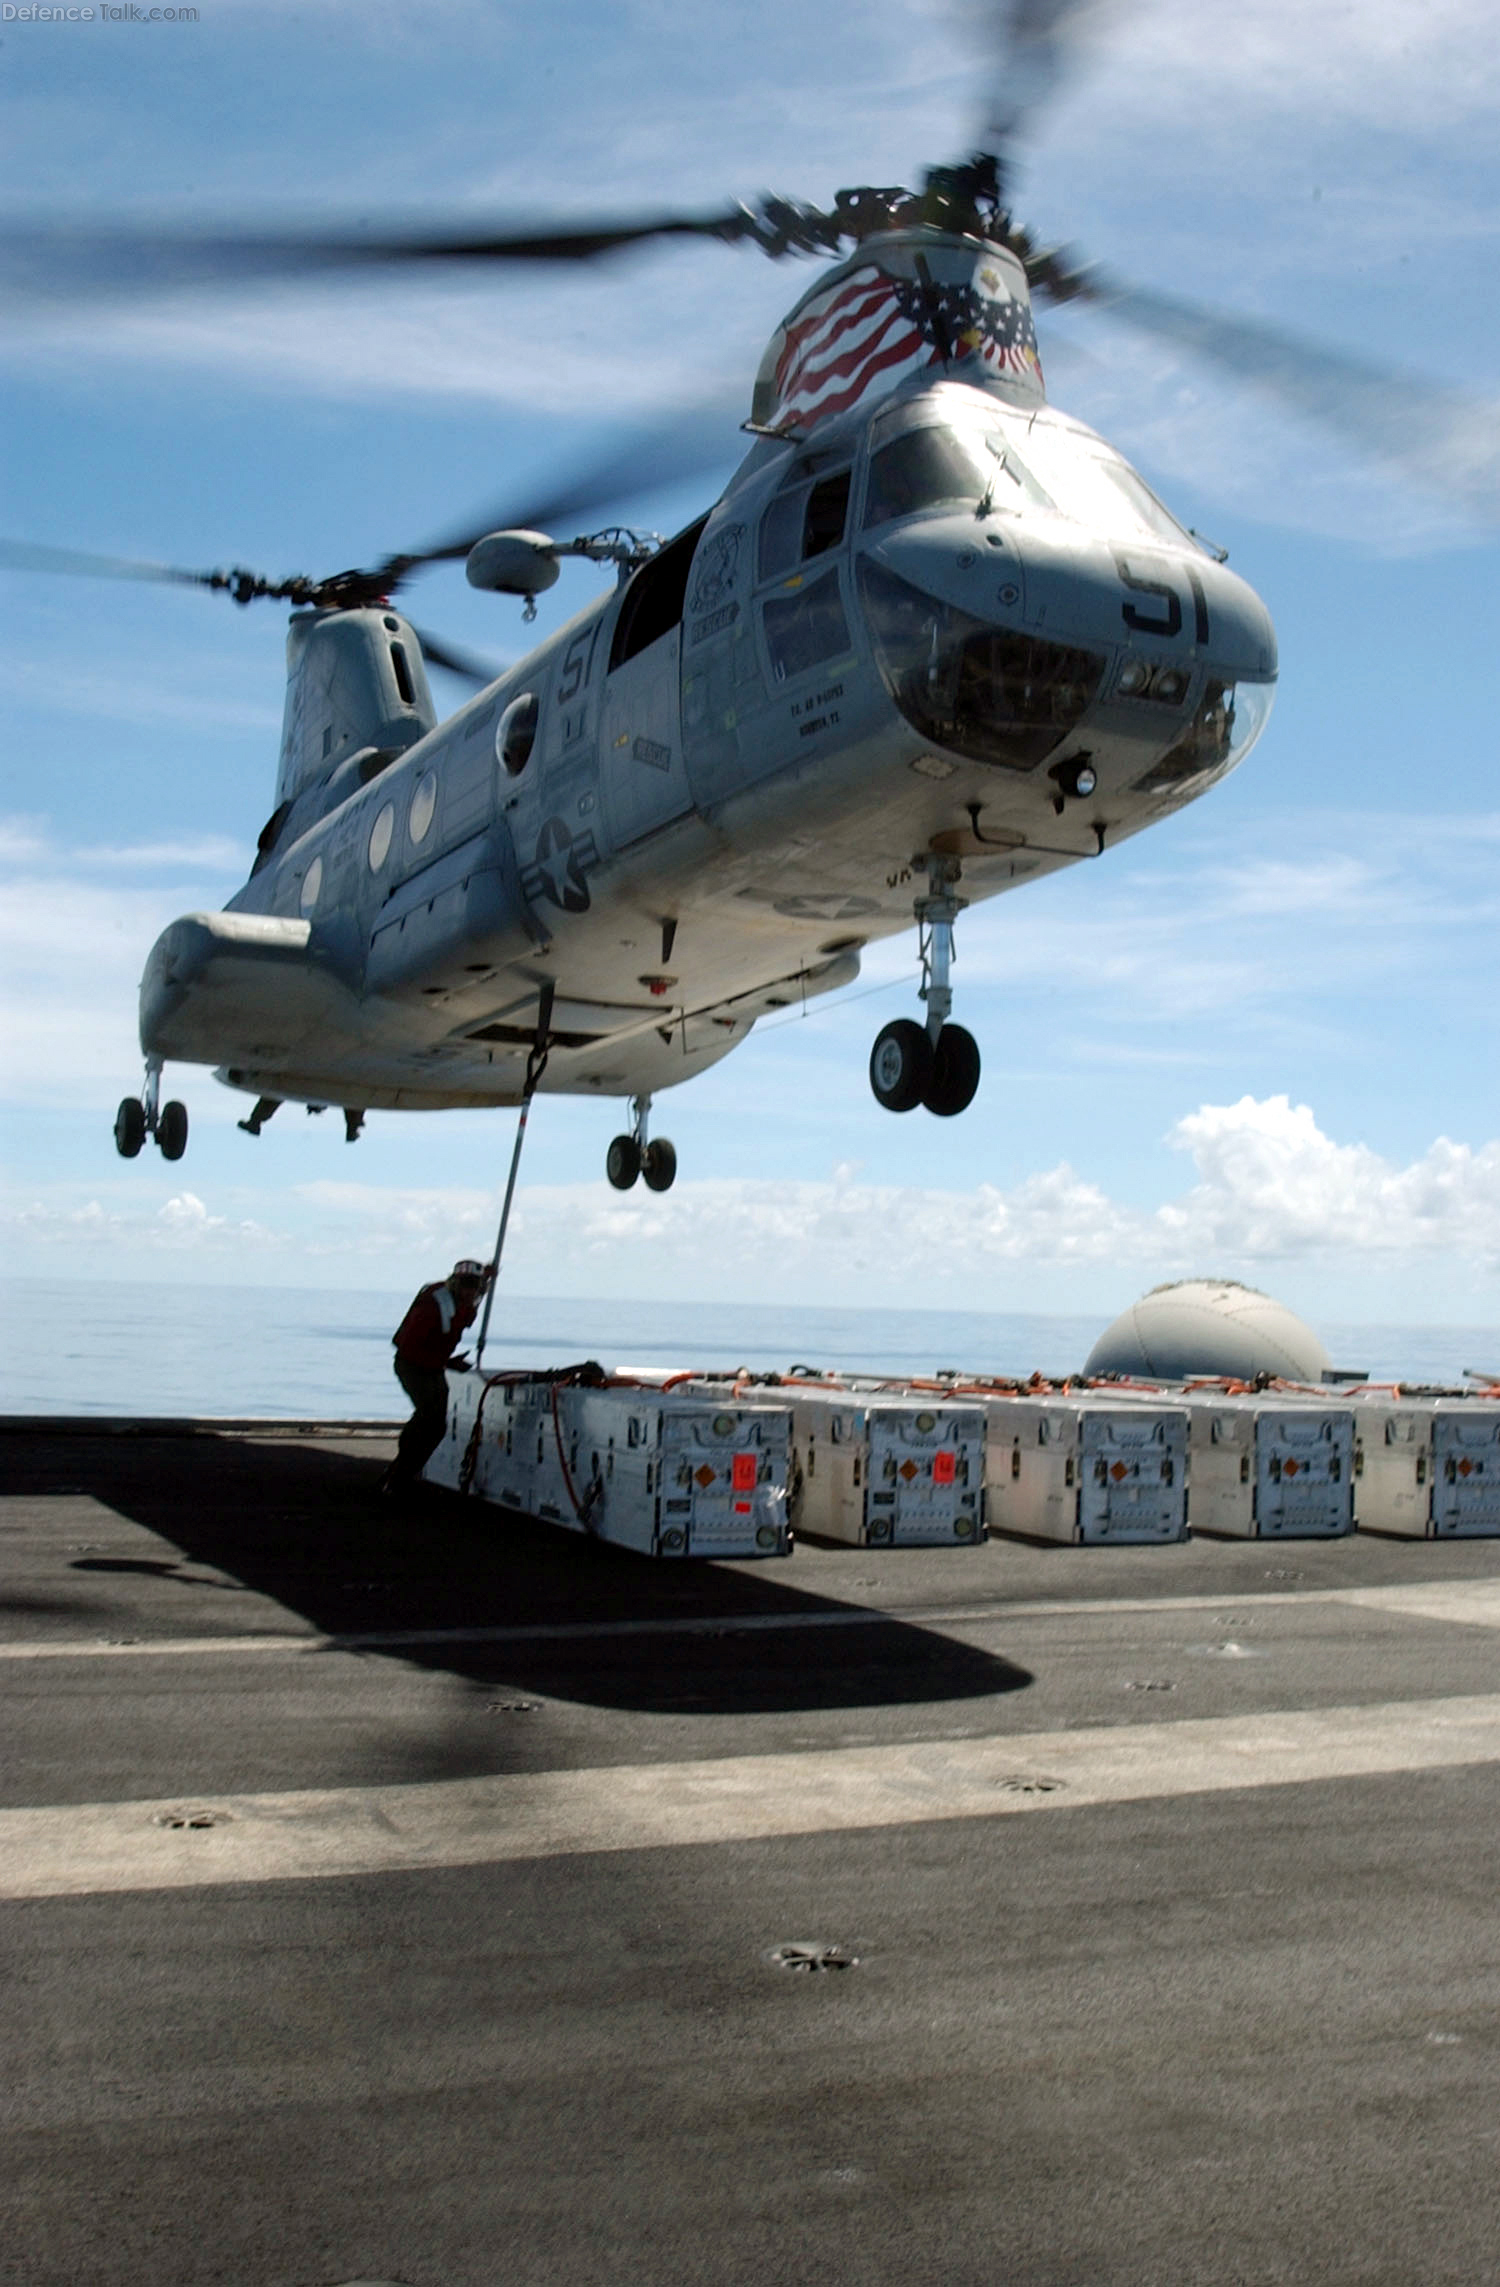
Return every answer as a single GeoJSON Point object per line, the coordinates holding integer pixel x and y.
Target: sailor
{"type": "Point", "coordinates": [426, 1344]}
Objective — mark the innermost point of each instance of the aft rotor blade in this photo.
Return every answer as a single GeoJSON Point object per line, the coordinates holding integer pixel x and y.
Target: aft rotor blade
{"type": "Point", "coordinates": [245, 586]}
{"type": "Point", "coordinates": [29, 556]}
{"type": "Point", "coordinates": [1449, 440]}
{"type": "Point", "coordinates": [438, 652]}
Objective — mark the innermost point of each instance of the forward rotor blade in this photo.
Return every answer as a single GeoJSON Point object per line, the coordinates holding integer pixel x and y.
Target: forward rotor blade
{"type": "Point", "coordinates": [1033, 46]}
{"type": "Point", "coordinates": [1450, 441]}
{"type": "Point", "coordinates": [695, 441]}
{"type": "Point", "coordinates": [47, 261]}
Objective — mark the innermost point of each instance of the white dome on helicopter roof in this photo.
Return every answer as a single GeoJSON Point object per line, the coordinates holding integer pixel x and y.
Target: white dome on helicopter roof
{"type": "Point", "coordinates": [1209, 1326]}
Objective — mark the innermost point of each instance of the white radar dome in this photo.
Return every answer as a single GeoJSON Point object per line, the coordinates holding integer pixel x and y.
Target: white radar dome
{"type": "Point", "coordinates": [1209, 1326]}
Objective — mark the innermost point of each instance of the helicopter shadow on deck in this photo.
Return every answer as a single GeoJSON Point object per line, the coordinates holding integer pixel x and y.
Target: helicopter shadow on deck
{"type": "Point", "coordinates": [301, 1523]}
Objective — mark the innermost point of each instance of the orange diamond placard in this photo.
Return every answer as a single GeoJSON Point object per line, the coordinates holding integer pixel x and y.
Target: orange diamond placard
{"type": "Point", "coordinates": [704, 1475]}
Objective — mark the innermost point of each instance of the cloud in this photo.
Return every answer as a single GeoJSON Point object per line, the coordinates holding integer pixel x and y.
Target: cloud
{"type": "Point", "coordinates": [203, 852]}
{"type": "Point", "coordinates": [1271, 1189]}
{"type": "Point", "coordinates": [181, 1225]}
{"type": "Point", "coordinates": [1181, 145]}
{"type": "Point", "coordinates": [122, 695]}
{"type": "Point", "coordinates": [72, 950]}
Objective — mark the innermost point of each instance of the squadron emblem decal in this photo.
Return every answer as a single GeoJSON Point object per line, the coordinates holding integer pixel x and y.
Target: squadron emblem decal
{"type": "Point", "coordinates": [559, 871]}
{"type": "Point", "coordinates": [717, 569]}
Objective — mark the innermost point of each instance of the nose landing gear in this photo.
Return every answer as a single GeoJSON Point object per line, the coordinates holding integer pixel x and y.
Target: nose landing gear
{"type": "Point", "coordinates": [144, 1115]}
{"type": "Point", "coordinates": [631, 1156]}
{"type": "Point", "coordinates": [936, 1064]}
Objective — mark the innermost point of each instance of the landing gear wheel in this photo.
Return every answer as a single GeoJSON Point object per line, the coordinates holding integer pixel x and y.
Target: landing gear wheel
{"type": "Point", "coordinates": [659, 1165]}
{"type": "Point", "coordinates": [901, 1065]}
{"type": "Point", "coordinates": [622, 1162]}
{"type": "Point", "coordinates": [955, 1072]}
{"type": "Point", "coordinates": [130, 1127]}
{"type": "Point", "coordinates": [172, 1130]}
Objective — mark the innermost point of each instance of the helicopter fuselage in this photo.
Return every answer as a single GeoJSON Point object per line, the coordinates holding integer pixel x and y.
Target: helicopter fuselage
{"type": "Point", "coordinates": [940, 626]}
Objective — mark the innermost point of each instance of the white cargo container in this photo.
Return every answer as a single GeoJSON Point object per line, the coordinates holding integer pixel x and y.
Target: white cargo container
{"type": "Point", "coordinates": [1427, 1468]}
{"type": "Point", "coordinates": [885, 1470]}
{"type": "Point", "coordinates": [664, 1471]}
{"type": "Point", "coordinates": [1083, 1468]}
{"type": "Point", "coordinates": [1270, 1465]}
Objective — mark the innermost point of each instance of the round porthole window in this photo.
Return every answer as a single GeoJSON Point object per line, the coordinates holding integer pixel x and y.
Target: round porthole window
{"type": "Point", "coordinates": [380, 837]}
{"type": "Point", "coordinates": [312, 883]}
{"type": "Point", "coordinates": [515, 733]}
{"type": "Point", "coordinates": [423, 806]}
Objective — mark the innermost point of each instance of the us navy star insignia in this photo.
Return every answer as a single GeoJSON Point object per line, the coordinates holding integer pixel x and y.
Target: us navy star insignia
{"type": "Point", "coordinates": [559, 869]}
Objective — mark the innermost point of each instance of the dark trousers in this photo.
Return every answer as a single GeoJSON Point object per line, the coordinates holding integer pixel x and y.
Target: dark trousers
{"type": "Point", "coordinates": [427, 1387]}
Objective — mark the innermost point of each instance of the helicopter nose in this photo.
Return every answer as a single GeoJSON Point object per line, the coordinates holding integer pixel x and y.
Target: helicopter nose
{"type": "Point", "coordinates": [972, 563]}
{"type": "Point", "coordinates": [1067, 585]}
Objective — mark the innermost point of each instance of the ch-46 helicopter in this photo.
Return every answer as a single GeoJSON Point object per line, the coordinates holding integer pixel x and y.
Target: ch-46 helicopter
{"type": "Point", "coordinates": [935, 639]}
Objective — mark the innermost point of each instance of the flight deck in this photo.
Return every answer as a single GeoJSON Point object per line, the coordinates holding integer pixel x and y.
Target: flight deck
{"type": "Point", "coordinates": [421, 1893]}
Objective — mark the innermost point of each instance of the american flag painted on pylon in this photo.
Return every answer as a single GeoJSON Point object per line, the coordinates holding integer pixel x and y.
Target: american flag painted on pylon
{"type": "Point", "coordinates": [868, 329]}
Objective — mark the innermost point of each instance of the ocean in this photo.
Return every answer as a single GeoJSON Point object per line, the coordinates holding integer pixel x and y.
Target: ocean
{"type": "Point", "coordinates": [298, 1353]}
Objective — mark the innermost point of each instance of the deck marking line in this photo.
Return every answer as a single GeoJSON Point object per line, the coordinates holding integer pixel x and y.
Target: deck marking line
{"type": "Point", "coordinates": [1476, 1602]}
{"type": "Point", "coordinates": [1472, 1603]}
{"type": "Point", "coordinates": [88, 1848]}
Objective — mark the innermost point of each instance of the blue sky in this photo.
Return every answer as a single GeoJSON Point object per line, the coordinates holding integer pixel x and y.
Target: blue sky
{"type": "Point", "coordinates": [1259, 1041]}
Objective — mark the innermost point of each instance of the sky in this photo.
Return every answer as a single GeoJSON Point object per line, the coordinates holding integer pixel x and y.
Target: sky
{"type": "Point", "coordinates": [1258, 1041]}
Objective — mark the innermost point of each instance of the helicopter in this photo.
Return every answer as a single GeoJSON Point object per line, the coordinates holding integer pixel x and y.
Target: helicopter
{"type": "Point", "coordinates": [935, 639]}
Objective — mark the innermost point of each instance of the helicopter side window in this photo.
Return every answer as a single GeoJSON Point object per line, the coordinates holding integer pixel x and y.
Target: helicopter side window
{"type": "Point", "coordinates": [827, 513]}
{"type": "Point", "coordinates": [515, 734]}
{"type": "Point", "coordinates": [781, 533]}
{"type": "Point", "coordinates": [805, 520]}
{"type": "Point", "coordinates": [805, 628]}
{"type": "Point", "coordinates": [654, 599]}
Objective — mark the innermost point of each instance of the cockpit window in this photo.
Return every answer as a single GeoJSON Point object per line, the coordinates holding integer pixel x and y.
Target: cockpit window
{"type": "Point", "coordinates": [932, 468]}
{"type": "Point", "coordinates": [986, 692]}
{"type": "Point", "coordinates": [1229, 720]}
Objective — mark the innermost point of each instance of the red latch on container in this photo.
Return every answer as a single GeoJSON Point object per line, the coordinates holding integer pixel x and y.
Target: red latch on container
{"type": "Point", "coordinates": [944, 1468]}
{"type": "Point", "coordinates": [743, 1473]}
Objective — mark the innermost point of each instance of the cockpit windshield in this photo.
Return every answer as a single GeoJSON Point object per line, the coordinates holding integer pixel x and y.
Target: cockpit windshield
{"type": "Point", "coordinates": [991, 464]}
{"type": "Point", "coordinates": [933, 467]}
{"type": "Point", "coordinates": [1094, 486]}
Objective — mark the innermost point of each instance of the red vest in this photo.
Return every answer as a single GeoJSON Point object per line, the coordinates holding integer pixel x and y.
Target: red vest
{"type": "Point", "coordinates": [433, 1327]}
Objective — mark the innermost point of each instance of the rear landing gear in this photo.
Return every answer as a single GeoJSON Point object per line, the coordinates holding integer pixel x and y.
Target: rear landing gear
{"type": "Point", "coordinates": [631, 1156]}
{"type": "Point", "coordinates": [145, 1115]}
{"type": "Point", "coordinates": [936, 1064]}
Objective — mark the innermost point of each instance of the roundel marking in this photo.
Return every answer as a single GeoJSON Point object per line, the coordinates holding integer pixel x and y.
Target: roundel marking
{"type": "Point", "coordinates": [563, 881]}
